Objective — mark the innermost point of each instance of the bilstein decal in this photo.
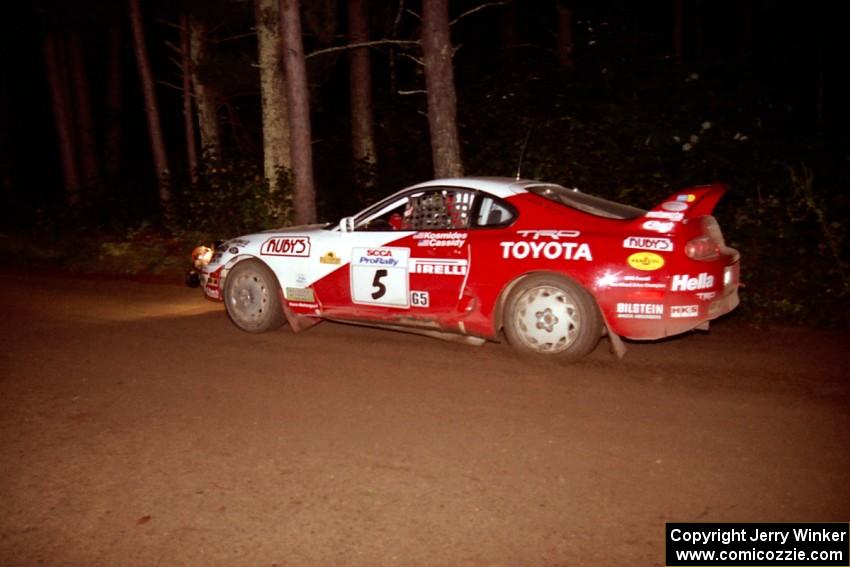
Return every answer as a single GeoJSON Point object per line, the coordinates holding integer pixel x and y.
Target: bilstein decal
{"type": "Point", "coordinates": [646, 261]}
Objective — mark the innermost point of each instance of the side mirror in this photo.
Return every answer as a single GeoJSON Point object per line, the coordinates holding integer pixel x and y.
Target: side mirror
{"type": "Point", "coordinates": [346, 224]}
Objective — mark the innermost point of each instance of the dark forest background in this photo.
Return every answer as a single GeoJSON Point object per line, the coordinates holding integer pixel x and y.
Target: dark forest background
{"type": "Point", "coordinates": [652, 96]}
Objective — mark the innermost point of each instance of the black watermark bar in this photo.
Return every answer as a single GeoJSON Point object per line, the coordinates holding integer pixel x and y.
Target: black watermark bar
{"type": "Point", "coordinates": [758, 545]}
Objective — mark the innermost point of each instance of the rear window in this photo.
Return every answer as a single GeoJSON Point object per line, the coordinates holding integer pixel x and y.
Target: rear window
{"type": "Point", "coordinates": [596, 206]}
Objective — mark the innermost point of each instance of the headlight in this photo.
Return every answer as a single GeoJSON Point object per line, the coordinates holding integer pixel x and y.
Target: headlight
{"type": "Point", "coordinates": [201, 256]}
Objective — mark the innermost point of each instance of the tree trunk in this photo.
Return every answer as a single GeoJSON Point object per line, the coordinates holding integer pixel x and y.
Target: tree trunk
{"type": "Point", "coordinates": [276, 148]}
{"type": "Point", "coordinates": [299, 113]}
{"type": "Point", "coordinates": [360, 77]}
{"type": "Point", "coordinates": [205, 98]}
{"type": "Point", "coordinates": [678, 31]}
{"type": "Point", "coordinates": [59, 96]}
{"type": "Point", "coordinates": [565, 36]}
{"type": "Point", "coordinates": [439, 80]}
{"type": "Point", "coordinates": [112, 143]}
{"type": "Point", "coordinates": [188, 115]}
{"type": "Point", "coordinates": [508, 27]}
{"type": "Point", "coordinates": [85, 125]}
{"type": "Point", "coordinates": [151, 108]}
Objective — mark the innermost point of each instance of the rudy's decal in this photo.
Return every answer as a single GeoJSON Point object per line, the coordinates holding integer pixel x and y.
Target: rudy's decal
{"type": "Point", "coordinates": [304, 294]}
{"type": "Point", "coordinates": [674, 206]}
{"type": "Point", "coordinates": [439, 239]}
{"type": "Point", "coordinates": [684, 282]}
{"type": "Point", "coordinates": [438, 267]}
{"type": "Point", "coordinates": [675, 217]}
{"type": "Point", "coordinates": [658, 226]}
{"type": "Point", "coordinates": [640, 310]}
{"type": "Point", "coordinates": [286, 246]}
{"type": "Point", "coordinates": [646, 261]}
{"type": "Point", "coordinates": [648, 243]}
{"type": "Point", "coordinates": [548, 250]}
{"type": "Point", "coordinates": [330, 258]}
{"type": "Point", "coordinates": [684, 311]}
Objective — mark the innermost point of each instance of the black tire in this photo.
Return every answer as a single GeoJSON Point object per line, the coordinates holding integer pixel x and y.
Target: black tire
{"type": "Point", "coordinates": [252, 297]}
{"type": "Point", "coordinates": [552, 316]}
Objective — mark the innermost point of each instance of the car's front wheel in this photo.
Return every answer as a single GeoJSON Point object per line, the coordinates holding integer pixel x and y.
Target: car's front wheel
{"type": "Point", "coordinates": [252, 298]}
{"type": "Point", "coordinates": [552, 315]}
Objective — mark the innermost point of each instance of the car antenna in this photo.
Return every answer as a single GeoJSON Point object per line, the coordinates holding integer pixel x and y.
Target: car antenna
{"type": "Point", "coordinates": [522, 154]}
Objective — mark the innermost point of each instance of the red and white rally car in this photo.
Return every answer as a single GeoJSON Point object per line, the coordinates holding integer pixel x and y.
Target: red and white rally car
{"type": "Point", "coordinates": [468, 258]}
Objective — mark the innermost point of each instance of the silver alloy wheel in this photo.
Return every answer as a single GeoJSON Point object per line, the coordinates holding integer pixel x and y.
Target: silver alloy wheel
{"type": "Point", "coordinates": [252, 297]}
{"type": "Point", "coordinates": [546, 319]}
{"type": "Point", "coordinates": [249, 298]}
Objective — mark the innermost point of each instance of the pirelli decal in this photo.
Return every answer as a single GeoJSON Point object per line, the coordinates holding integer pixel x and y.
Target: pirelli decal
{"type": "Point", "coordinates": [438, 267]}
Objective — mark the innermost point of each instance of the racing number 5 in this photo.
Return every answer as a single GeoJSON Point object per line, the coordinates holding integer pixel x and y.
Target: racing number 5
{"type": "Point", "coordinates": [380, 288]}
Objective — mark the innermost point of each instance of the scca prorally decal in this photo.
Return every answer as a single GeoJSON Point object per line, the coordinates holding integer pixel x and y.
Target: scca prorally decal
{"type": "Point", "coordinates": [437, 239]}
{"type": "Point", "coordinates": [549, 250]}
{"type": "Point", "coordinates": [648, 243]}
{"type": "Point", "coordinates": [675, 217]}
{"type": "Point", "coordinates": [658, 226]}
{"type": "Point", "coordinates": [684, 311]}
{"type": "Point", "coordinates": [550, 234]}
{"type": "Point", "coordinates": [286, 246]}
{"type": "Point", "coordinates": [640, 310]}
{"type": "Point", "coordinates": [438, 267]}
{"type": "Point", "coordinates": [684, 282]}
{"type": "Point", "coordinates": [378, 257]}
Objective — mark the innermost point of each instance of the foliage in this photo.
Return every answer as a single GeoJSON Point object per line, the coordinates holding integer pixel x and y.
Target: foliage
{"type": "Point", "coordinates": [233, 198]}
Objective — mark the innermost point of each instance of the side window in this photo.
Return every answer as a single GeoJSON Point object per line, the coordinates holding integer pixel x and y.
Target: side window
{"type": "Point", "coordinates": [434, 209]}
{"type": "Point", "coordinates": [493, 214]}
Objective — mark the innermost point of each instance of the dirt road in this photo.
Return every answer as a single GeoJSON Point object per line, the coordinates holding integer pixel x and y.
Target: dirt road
{"type": "Point", "coordinates": [138, 426]}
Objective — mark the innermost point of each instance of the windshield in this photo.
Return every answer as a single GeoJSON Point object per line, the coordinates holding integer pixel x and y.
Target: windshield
{"type": "Point", "coordinates": [575, 199]}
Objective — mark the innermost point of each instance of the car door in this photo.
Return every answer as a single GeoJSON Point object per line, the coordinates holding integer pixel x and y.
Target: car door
{"type": "Point", "coordinates": [409, 259]}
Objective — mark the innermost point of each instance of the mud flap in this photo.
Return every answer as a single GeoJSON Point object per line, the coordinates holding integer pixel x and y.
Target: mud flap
{"type": "Point", "coordinates": [297, 322]}
{"type": "Point", "coordinates": [618, 347]}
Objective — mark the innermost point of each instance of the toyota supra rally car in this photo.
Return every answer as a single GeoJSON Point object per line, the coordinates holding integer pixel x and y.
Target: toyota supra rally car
{"type": "Point", "coordinates": [552, 268]}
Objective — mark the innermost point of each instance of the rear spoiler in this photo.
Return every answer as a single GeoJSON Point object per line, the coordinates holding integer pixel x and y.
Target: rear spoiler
{"type": "Point", "coordinates": [685, 204]}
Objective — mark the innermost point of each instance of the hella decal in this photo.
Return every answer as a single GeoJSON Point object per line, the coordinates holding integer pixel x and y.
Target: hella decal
{"type": "Point", "coordinates": [674, 206]}
{"type": "Point", "coordinates": [658, 226]}
{"type": "Point", "coordinates": [438, 267]}
{"type": "Point", "coordinates": [684, 311]}
{"type": "Point", "coordinates": [286, 246]}
{"type": "Point", "coordinates": [548, 250]}
{"type": "Point", "coordinates": [684, 282]}
{"type": "Point", "coordinates": [640, 310]}
{"type": "Point", "coordinates": [647, 243]}
{"type": "Point", "coordinates": [645, 261]}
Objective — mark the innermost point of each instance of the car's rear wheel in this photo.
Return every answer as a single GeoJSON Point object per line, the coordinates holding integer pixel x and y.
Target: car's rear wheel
{"type": "Point", "coordinates": [552, 315]}
{"type": "Point", "coordinates": [252, 297]}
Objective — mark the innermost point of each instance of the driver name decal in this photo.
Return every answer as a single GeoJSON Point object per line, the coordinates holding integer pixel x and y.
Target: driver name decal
{"type": "Point", "coordinates": [286, 246]}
